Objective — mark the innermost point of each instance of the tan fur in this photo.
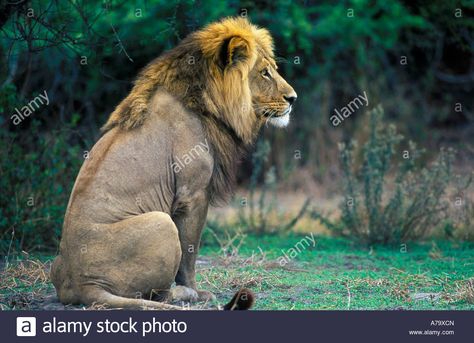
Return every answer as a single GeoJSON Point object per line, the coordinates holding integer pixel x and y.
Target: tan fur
{"type": "Point", "coordinates": [134, 219]}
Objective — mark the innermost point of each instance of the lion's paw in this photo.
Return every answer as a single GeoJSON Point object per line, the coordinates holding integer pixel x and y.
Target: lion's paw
{"type": "Point", "coordinates": [187, 294]}
{"type": "Point", "coordinates": [206, 296]}
{"type": "Point", "coordinates": [183, 293]}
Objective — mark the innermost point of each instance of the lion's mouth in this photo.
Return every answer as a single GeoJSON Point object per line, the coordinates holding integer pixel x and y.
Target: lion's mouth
{"type": "Point", "coordinates": [287, 111]}
{"type": "Point", "coordinates": [272, 113]}
{"type": "Point", "coordinates": [279, 119]}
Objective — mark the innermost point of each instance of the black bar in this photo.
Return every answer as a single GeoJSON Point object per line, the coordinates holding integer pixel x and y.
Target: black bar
{"type": "Point", "coordinates": [251, 326]}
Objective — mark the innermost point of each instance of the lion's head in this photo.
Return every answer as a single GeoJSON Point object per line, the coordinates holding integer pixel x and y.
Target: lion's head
{"type": "Point", "coordinates": [227, 70]}
{"type": "Point", "coordinates": [247, 85]}
{"type": "Point", "coordinates": [272, 96]}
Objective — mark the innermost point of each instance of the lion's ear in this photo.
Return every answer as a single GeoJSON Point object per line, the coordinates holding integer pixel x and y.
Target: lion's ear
{"type": "Point", "coordinates": [234, 50]}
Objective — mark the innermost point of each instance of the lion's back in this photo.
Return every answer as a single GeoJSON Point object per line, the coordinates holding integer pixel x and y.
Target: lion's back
{"type": "Point", "coordinates": [133, 170]}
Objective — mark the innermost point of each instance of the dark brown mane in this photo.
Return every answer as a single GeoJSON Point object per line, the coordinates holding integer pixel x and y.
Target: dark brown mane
{"type": "Point", "coordinates": [228, 150]}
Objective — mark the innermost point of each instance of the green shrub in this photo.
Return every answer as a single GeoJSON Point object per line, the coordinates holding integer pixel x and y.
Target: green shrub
{"type": "Point", "coordinates": [465, 222]}
{"type": "Point", "coordinates": [461, 224]}
{"type": "Point", "coordinates": [374, 213]}
{"type": "Point", "coordinates": [37, 171]}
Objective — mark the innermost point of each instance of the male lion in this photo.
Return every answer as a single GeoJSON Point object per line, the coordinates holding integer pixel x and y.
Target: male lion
{"type": "Point", "coordinates": [170, 148]}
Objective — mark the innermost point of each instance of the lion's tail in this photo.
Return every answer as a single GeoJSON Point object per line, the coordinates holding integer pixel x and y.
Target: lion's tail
{"type": "Point", "coordinates": [242, 300]}
{"type": "Point", "coordinates": [101, 296]}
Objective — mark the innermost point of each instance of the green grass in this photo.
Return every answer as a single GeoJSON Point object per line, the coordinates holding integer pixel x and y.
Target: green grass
{"type": "Point", "coordinates": [322, 277]}
{"type": "Point", "coordinates": [318, 278]}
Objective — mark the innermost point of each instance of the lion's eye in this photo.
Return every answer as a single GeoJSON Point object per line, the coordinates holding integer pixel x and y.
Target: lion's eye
{"type": "Point", "coordinates": [266, 73]}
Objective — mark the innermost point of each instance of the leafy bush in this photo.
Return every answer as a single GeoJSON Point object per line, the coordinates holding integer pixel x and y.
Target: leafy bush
{"type": "Point", "coordinates": [461, 225]}
{"type": "Point", "coordinates": [37, 171]}
{"type": "Point", "coordinates": [416, 204]}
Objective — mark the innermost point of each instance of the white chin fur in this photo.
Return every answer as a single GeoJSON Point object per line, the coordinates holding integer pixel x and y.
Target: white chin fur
{"type": "Point", "coordinates": [281, 121]}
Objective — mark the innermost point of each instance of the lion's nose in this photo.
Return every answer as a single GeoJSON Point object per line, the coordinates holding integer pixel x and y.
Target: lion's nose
{"type": "Point", "coordinates": [290, 98]}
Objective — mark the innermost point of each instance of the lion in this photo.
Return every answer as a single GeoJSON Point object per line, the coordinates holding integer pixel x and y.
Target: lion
{"type": "Point", "coordinates": [170, 149]}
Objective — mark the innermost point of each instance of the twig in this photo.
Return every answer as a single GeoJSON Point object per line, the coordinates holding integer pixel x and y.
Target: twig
{"type": "Point", "coordinates": [300, 214]}
{"type": "Point", "coordinates": [119, 42]}
{"type": "Point", "coordinates": [348, 297]}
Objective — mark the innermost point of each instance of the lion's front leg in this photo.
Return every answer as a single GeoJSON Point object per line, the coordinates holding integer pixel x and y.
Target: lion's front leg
{"type": "Point", "coordinates": [190, 225]}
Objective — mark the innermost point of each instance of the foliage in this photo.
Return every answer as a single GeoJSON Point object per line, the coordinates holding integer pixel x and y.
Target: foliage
{"type": "Point", "coordinates": [93, 50]}
{"type": "Point", "coordinates": [461, 226]}
{"type": "Point", "coordinates": [417, 202]}
{"type": "Point", "coordinates": [36, 177]}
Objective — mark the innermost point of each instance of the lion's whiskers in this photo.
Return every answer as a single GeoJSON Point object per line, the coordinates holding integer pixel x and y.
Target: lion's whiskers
{"type": "Point", "coordinates": [272, 113]}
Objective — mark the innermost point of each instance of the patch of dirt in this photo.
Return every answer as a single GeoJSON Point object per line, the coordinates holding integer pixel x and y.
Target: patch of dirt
{"type": "Point", "coordinates": [425, 296]}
